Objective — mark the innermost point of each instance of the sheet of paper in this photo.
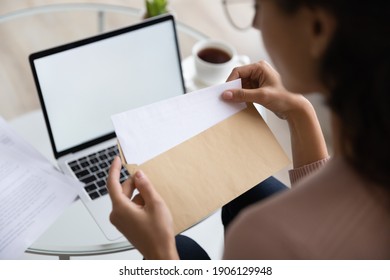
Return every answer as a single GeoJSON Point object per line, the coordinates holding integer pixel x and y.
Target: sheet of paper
{"type": "Point", "coordinates": [178, 118]}
{"type": "Point", "coordinates": [11, 139]}
{"type": "Point", "coordinates": [32, 194]}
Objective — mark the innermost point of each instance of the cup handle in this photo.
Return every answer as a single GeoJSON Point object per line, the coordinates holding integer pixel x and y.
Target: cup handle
{"type": "Point", "coordinates": [243, 59]}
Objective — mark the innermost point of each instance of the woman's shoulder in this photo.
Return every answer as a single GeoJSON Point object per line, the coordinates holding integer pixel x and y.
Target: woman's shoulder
{"type": "Point", "coordinates": [318, 219]}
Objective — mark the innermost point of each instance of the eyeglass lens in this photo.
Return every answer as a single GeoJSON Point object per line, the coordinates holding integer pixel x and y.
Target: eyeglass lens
{"type": "Point", "coordinates": [240, 13]}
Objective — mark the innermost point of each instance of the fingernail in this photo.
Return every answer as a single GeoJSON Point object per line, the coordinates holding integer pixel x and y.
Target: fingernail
{"type": "Point", "coordinates": [139, 174]}
{"type": "Point", "coordinates": [227, 95]}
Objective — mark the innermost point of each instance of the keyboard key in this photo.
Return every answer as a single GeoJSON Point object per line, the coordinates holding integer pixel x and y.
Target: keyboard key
{"type": "Point", "coordinates": [112, 154]}
{"type": "Point", "coordinates": [103, 157]}
{"type": "Point", "coordinates": [94, 168]}
{"type": "Point", "coordinates": [93, 155]}
{"type": "Point", "coordinates": [84, 164]}
{"type": "Point", "coordinates": [82, 173]}
{"type": "Point", "coordinates": [101, 174]}
{"type": "Point", "coordinates": [113, 148]}
{"type": "Point", "coordinates": [103, 165]}
{"type": "Point", "coordinates": [101, 183]}
{"type": "Point", "coordinates": [103, 191]}
{"type": "Point", "coordinates": [94, 195]}
{"type": "Point", "coordinates": [93, 160]}
{"type": "Point", "coordinates": [90, 187]}
{"type": "Point", "coordinates": [75, 167]}
{"type": "Point", "coordinates": [88, 179]}
{"type": "Point", "coordinates": [124, 170]}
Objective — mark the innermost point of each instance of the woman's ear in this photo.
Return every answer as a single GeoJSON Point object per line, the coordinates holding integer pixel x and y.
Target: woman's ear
{"type": "Point", "coordinates": [323, 26]}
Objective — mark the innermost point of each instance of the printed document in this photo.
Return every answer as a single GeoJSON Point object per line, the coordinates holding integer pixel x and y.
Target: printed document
{"type": "Point", "coordinates": [33, 194]}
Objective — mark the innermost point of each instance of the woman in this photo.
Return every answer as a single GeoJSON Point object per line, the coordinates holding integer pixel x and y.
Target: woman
{"type": "Point", "coordinates": [337, 208]}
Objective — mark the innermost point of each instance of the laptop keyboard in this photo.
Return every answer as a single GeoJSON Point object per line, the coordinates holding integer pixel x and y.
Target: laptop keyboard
{"type": "Point", "coordinates": [92, 170]}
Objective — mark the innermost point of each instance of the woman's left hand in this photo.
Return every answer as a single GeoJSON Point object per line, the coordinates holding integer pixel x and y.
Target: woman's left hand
{"type": "Point", "coordinates": [144, 220]}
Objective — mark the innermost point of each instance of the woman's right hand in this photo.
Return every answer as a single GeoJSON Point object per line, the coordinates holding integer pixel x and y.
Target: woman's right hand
{"type": "Point", "coordinates": [262, 84]}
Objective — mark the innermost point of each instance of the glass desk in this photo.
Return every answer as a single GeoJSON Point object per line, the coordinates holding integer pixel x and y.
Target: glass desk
{"type": "Point", "coordinates": [25, 31]}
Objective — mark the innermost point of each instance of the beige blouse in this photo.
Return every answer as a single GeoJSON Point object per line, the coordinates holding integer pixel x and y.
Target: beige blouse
{"type": "Point", "coordinates": [330, 213]}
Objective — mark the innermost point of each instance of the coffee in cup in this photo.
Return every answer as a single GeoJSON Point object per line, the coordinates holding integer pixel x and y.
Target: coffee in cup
{"type": "Point", "coordinates": [214, 60]}
{"type": "Point", "coordinates": [214, 55]}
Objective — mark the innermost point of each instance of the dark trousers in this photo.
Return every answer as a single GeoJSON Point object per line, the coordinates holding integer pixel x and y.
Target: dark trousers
{"type": "Point", "coordinates": [190, 250]}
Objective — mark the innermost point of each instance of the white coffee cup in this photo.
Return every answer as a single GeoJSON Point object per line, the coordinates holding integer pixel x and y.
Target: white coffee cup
{"type": "Point", "coordinates": [214, 60]}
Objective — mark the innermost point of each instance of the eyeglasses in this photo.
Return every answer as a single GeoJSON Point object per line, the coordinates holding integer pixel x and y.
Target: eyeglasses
{"type": "Point", "coordinates": [240, 13]}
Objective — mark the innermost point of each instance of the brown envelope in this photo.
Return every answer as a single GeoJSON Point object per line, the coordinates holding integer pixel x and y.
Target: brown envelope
{"type": "Point", "coordinates": [200, 175]}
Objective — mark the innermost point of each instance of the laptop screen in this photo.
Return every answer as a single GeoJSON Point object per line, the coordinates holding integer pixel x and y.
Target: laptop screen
{"type": "Point", "coordinates": [81, 84]}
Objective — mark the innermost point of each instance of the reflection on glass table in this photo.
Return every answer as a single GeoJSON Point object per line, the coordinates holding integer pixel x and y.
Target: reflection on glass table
{"type": "Point", "coordinates": [31, 30]}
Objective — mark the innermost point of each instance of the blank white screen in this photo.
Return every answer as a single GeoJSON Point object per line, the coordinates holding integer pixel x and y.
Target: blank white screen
{"type": "Point", "coordinates": [84, 86]}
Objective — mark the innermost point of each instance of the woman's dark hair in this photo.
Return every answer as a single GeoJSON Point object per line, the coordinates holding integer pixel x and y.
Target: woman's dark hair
{"type": "Point", "coordinates": [356, 70]}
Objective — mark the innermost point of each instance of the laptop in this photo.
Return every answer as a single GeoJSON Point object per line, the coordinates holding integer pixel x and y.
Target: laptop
{"type": "Point", "coordinates": [82, 84]}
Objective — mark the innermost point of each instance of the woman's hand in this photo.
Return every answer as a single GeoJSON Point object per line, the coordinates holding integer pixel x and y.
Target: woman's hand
{"type": "Point", "coordinates": [144, 220]}
{"type": "Point", "coordinates": [262, 84]}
